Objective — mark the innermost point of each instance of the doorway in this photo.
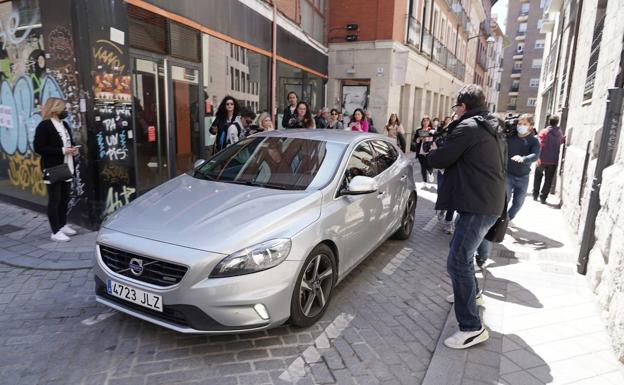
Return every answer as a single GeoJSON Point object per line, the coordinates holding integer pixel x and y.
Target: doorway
{"type": "Point", "coordinates": [168, 130]}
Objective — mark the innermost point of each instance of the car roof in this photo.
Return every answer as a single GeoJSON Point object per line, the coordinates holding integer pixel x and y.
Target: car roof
{"type": "Point", "coordinates": [328, 135]}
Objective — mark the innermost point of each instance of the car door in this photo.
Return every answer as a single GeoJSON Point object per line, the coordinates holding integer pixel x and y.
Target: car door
{"type": "Point", "coordinates": [354, 218]}
{"type": "Point", "coordinates": [390, 183]}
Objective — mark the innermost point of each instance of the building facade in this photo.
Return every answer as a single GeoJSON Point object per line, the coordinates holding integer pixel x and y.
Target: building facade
{"type": "Point", "coordinates": [495, 65]}
{"type": "Point", "coordinates": [142, 81]}
{"type": "Point", "coordinates": [522, 61]}
{"type": "Point", "coordinates": [410, 56]}
{"type": "Point", "coordinates": [583, 83]}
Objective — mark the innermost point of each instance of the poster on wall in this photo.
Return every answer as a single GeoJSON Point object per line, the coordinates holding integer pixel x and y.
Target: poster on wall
{"type": "Point", "coordinates": [353, 97]}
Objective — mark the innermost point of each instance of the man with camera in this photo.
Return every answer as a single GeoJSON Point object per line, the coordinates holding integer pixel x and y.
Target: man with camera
{"type": "Point", "coordinates": [522, 150]}
{"type": "Point", "coordinates": [473, 158]}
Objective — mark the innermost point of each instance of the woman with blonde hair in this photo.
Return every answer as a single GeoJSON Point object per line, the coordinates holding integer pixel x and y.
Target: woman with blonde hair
{"type": "Point", "coordinates": [53, 141]}
{"type": "Point", "coordinates": [265, 123]}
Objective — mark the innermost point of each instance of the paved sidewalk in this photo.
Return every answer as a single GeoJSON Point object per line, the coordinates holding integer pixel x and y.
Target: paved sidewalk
{"type": "Point", "coordinates": [545, 326]}
{"type": "Point", "coordinates": [25, 242]}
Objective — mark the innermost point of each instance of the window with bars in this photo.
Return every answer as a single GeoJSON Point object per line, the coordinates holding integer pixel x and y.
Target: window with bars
{"type": "Point", "coordinates": [590, 79]}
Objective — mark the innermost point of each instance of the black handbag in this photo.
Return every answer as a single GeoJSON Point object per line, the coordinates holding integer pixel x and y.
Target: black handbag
{"type": "Point", "coordinates": [496, 233]}
{"type": "Point", "coordinates": [57, 173]}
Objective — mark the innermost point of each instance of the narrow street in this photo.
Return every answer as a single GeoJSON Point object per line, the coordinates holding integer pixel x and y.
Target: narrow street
{"type": "Point", "coordinates": [381, 327]}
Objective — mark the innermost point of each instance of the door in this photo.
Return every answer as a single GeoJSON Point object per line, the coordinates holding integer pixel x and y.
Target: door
{"type": "Point", "coordinates": [150, 129]}
{"type": "Point", "coordinates": [392, 184]}
{"type": "Point", "coordinates": [185, 117]}
{"type": "Point", "coordinates": [356, 216]}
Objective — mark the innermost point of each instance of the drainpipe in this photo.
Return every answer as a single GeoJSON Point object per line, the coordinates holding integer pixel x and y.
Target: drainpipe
{"type": "Point", "coordinates": [274, 63]}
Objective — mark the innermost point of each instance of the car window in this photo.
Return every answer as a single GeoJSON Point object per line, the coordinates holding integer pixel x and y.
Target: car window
{"type": "Point", "coordinates": [385, 155]}
{"type": "Point", "coordinates": [274, 162]}
{"type": "Point", "coordinates": [360, 163]}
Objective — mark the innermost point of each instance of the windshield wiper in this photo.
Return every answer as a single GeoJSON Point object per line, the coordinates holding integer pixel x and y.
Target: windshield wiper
{"type": "Point", "coordinates": [256, 184]}
{"type": "Point", "coordinates": [200, 175]}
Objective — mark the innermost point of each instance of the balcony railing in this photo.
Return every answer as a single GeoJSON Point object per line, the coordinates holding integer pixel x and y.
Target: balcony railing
{"type": "Point", "coordinates": [521, 33]}
{"type": "Point", "coordinates": [516, 70]}
{"type": "Point", "coordinates": [427, 42]}
{"type": "Point", "coordinates": [514, 88]}
{"type": "Point", "coordinates": [414, 32]}
{"type": "Point", "coordinates": [511, 107]}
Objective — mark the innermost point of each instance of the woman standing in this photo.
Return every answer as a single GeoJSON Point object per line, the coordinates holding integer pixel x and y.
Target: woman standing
{"type": "Point", "coordinates": [358, 121]}
{"type": "Point", "coordinates": [226, 116]}
{"type": "Point", "coordinates": [54, 143]}
{"type": "Point", "coordinates": [303, 119]}
{"type": "Point", "coordinates": [395, 130]}
{"type": "Point", "coordinates": [264, 122]}
{"type": "Point", "coordinates": [334, 123]}
{"type": "Point", "coordinates": [423, 140]}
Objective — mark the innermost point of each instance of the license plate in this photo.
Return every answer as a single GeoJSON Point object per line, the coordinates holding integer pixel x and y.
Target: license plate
{"type": "Point", "coordinates": [134, 295]}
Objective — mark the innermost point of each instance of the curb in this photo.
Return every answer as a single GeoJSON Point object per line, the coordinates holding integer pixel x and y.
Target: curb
{"type": "Point", "coordinates": [32, 263]}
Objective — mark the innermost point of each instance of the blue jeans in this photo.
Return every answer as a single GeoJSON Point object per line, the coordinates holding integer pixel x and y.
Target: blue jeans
{"type": "Point", "coordinates": [483, 251]}
{"type": "Point", "coordinates": [469, 232]}
{"type": "Point", "coordinates": [517, 187]}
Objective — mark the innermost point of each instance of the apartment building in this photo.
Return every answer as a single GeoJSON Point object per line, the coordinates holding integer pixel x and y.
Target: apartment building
{"type": "Point", "coordinates": [495, 66]}
{"type": "Point", "coordinates": [583, 83]}
{"type": "Point", "coordinates": [522, 61]}
{"type": "Point", "coordinates": [409, 56]}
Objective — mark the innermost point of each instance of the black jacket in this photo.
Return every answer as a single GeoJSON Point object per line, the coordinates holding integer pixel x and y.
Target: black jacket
{"type": "Point", "coordinates": [473, 158]}
{"type": "Point", "coordinates": [49, 145]}
{"type": "Point", "coordinates": [287, 116]}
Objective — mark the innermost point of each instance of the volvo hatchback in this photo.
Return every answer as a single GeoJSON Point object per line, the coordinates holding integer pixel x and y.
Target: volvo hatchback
{"type": "Point", "coordinates": [259, 234]}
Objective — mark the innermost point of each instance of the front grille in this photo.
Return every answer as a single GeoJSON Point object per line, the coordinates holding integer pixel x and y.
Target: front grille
{"type": "Point", "coordinates": [155, 272]}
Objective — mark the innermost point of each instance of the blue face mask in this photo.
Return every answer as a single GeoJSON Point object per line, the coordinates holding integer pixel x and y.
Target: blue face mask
{"type": "Point", "coordinates": [523, 130]}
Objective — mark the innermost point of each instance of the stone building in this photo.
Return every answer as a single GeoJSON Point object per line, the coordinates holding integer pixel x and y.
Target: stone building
{"type": "Point", "coordinates": [583, 83]}
{"type": "Point", "coordinates": [410, 56]}
{"type": "Point", "coordinates": [522, 60]}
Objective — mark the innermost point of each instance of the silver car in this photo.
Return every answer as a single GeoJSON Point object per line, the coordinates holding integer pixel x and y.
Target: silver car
{"type": "Point", "coordinates": [259, 234]}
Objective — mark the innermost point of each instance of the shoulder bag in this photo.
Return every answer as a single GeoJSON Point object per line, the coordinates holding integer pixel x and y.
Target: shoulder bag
{"type": "Point", "coordinates": [57, 173]}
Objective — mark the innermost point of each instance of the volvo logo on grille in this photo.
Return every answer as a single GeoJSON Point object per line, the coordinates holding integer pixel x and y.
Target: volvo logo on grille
{"type": "Point", "coordinates": [136, 266]}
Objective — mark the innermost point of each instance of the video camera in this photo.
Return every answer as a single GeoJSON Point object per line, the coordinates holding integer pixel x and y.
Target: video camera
{"type": "Point", "coordinates": [510, 125]}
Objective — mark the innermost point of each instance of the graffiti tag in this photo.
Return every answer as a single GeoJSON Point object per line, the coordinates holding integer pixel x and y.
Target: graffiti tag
{"type": "Point", "coordinates": [105, 54]}
{"type": "Point", "coordinates": [117, 199]}
{"type": "Point", "coordinates": [25, 173]}
{"type": "Point", "coordinates": [60, 43]}
{"type": "Point", "coordinates": [115, 174]}
{"type": "Point", "coordinates": [8, 28]}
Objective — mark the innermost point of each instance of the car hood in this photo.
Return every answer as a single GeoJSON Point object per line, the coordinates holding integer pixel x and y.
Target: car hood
{"type": "Point", "coordinates": [215, 216]}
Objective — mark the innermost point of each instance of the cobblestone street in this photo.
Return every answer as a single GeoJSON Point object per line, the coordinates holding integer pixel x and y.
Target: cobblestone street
{"type": "Point", "coordinates": [381, 327]}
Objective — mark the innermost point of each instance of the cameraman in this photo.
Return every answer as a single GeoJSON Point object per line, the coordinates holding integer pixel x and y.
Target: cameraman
{"type": "Point", "coordinates": [522, 150]}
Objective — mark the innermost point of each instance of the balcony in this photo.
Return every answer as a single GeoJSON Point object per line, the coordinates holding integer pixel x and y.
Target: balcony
{"type": "Point", "coordinates": [414, 32]}
{"type": "Point", "coordinates": [511, 108]}
{"type": "Point", "coordinates": [514, 88]}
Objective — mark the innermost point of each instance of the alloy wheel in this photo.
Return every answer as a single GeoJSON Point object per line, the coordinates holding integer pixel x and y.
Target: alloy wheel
{"type": "Point", "coordinates": [316, 285]}
{"type": "Point", "coordinates": [409, 215]}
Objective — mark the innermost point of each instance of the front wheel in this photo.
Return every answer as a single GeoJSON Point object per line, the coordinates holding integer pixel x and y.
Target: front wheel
{"type": "Point", "coordinates": [407, 221]}
{"type": "Point", "coordinates": [314, 287]}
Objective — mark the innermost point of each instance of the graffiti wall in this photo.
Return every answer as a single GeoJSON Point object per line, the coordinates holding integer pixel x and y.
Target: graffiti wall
{"type": "Point", "coordinates": [112, 132]}
{"type": "Point", "coordinates": [36, 63]}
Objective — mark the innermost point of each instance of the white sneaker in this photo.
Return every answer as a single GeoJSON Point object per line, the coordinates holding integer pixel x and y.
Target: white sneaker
{"type": "Point", "coordinates": [478, 299]}
{"type": "Point", "coordinates": [463, 340]}
{"type": "Point", "coordinates": [449, 227]}
{"type": "Point", "coordinates": [60, 237]}
{"type": "Point", "coordinates": [68, 230]}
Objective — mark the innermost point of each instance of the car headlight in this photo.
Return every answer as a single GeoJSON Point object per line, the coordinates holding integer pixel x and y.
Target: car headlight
{"type": "Point", "coordinates": [252, 259]}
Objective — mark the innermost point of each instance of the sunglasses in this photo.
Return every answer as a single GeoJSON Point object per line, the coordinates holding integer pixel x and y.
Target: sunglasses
{"type": "Point", "coordinates": [334, 113]}
{"type": "Point", "coordinates": [229, 104]}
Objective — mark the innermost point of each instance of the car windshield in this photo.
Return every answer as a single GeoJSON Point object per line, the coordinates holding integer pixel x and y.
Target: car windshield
{"type": "Point", "coordinates": [274, 162]}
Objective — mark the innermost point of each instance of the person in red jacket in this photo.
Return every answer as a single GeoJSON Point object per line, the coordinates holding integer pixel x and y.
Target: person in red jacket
{"type": "Point", "coordinates": [551, 138]}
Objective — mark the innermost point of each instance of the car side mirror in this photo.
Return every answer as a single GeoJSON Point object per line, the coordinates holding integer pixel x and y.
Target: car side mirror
{"type": "Point", "coordinates": [360, 185]}
{"type": "Point", "coordinates": [198, 163]}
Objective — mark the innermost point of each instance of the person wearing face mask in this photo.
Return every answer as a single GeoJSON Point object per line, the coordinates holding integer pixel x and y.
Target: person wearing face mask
{"type": "Point", "coordinates": [53, 141]}
{"type": "Point", "coordinates": [522, 150]}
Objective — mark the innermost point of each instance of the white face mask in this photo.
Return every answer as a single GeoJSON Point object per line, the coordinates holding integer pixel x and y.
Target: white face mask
{"type": "Point", "coordinates": [523, 130]}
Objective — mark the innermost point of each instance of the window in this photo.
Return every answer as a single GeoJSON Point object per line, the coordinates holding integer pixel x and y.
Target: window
{"type": "Point", "coordinates": [531, 102]}
{"type": "Point", "coordinates": [515, 85]}
{"type": "Point", "coordinates": [517, 66]}
{"type": "Point", "coordinates": [237, 80]}
{"type": "Point", "coordinates": [512, 102]}
{"type": "Point", "coordinates": [534, 83]}
{"type": "Point", "coordinates": [537, 63]}
{"type": "Point", "coordinates": [385, 155]}
{"type": "Point", "coordinates": [274, 162]}
{"type": "Point", "coordinates": [539, 44]}
{"type": "Point", "coordinates": [524, 9]}
{"type": "Point", "coordinates": [592, 67]}
{"type": "Point", "coordinates": [231, 78]}
{"type": "Point", "coordinates": [522, 28]}
{"type": "Point", "coordinates": [360, 163]}
{"type": "Point", "coordinates": [540, 22]}
{"type": "Point", "coordinates": [520, 48]}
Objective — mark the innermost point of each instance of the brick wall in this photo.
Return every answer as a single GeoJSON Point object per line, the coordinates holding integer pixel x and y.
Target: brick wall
{"type": "Point", "coordinates": [377, 20]}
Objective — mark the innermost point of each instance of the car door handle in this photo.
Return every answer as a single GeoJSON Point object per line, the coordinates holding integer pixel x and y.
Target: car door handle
{"type": "Point", "coordinates": [381, 194]}
{"type": "Point", "coordinates": [403, 178]}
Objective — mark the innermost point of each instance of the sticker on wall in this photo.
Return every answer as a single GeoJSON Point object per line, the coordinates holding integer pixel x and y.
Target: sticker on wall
{"type": "Point", "coordinates": [117, 36]}
{"type": "Point", "coordinates": [151, 134]}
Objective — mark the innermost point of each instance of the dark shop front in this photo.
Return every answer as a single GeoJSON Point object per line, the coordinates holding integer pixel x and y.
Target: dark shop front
{"type": "Point", "coordinates": [142, 81]}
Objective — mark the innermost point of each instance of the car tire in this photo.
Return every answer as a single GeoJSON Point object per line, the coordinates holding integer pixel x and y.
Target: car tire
{"type": "Point", "coordinates": [316, 279]}
{"type": "Point", "coordinates": [407, 220]}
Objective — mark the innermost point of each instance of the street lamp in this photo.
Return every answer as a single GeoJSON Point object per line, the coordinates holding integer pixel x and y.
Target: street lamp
{"type": "Point", "coordinates": [490, 39]}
